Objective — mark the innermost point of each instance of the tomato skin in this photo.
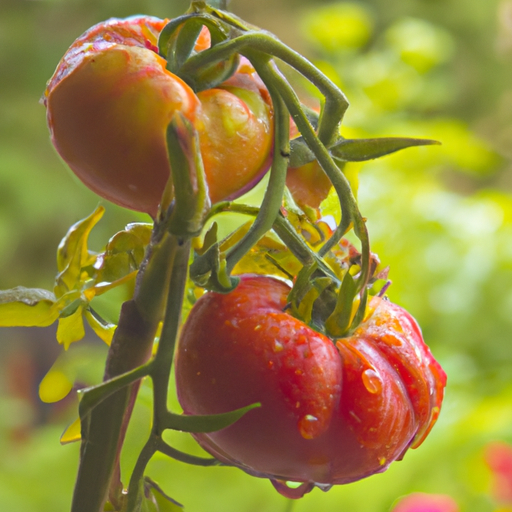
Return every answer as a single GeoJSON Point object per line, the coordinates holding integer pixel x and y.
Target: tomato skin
{"type": "Point", "coordinates": [109, 104]}
{"type": "Point", "coordinates": [236, 122]}
{"type": "Point", "coordinates": [330, 414]}
{"type": "Point", "coordinates": [308, 184]}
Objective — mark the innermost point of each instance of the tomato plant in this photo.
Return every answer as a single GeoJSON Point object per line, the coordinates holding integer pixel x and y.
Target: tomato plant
{"type": "Point", "coordinates": [112, 97]}
{"type": "Point", "coordinates": [345, 386]}
{"type": "Point", "coordinates": [332, 411]}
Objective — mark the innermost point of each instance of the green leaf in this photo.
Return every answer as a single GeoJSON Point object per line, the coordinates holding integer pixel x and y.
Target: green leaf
{"type": "Point", "coordinates": [360, 150]}
{"type": "Point", "coordinates": [210, 238]}
{"type": "Point", "coordinates": [158, 497]}
{"type": "Point", "coordinates": [164, 448]}
{"type": "Point", "coordinates": [330, 206]}
{"type": "Point", "coordinates": [92, 396]}
{"type": "Point", "coordinates": [27, 307]}
{"type": "Point", "coordinates": [339, 321]}
{"type": "Point", "coordinates": [361, 311]}
{"type": "Point", "coordinates": [124, 253]}
{"type": "Point", "coordinates": [206, 423]}
{"type": "Point", "coordinates": [181, 44]}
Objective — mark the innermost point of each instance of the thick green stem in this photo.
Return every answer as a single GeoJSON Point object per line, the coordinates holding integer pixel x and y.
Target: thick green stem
{"type": "Point", "coordinates": [161, 365]}
{"type": "Point", "coordinates": [104, 426]}
{"type": "Point", "coordinates": [166, 346]}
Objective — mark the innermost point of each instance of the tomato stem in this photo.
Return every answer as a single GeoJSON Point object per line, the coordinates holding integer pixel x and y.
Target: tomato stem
{"type": "Point", "coordinates": [272, 200]}
{"type": "Point", "coordinates": [161, 366]}
{"type": "Point", "coordinates": [253, 44]}
{"type": "Point", "coordinates": [285, 231]}
{"type": "Point", "coordinates": [348, 203]}
{"type": "Point", "coordinates": [166, 345]}
{"type": "Point", "coordinates": [246, 44]}
{"type": "Point", "coordinates": [103, 428]}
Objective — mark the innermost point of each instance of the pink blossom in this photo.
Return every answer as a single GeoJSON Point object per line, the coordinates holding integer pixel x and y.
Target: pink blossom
{"type": "Point", "coordinates": [422, 502]}
{"type": "Point", "coordinates": [498, 456]}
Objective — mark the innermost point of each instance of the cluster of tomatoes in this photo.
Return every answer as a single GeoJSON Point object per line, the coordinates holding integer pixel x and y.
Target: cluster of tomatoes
{"type": "Point", "coordinates": [112, 97]}
{"type": "Point", "coordinates": [332, 410]}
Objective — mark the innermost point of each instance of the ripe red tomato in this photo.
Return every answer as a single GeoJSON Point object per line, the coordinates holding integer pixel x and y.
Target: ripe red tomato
{"type": "Point", "coordinates": [109, 104]}
{"type": "Point", "coordinates": [331, 413]}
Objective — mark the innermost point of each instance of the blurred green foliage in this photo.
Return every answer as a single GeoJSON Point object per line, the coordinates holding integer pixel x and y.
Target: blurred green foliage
{"type": "Point", "coordinates": [441, 217]}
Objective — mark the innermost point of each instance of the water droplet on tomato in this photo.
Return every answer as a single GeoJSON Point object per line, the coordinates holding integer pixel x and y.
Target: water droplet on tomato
{"type": "Point", "coordinates": [371, 381]}
{"type": "Point", "coordinates": [392, 340]}
{"type": "Point", "coordinates": [308, 426]}
{"type": "Point", "coordinates": [278, 346]}
{"type": "Point", "coordinates": [323, 487]}
{"type": "Point", "coordinates": [292, 490]}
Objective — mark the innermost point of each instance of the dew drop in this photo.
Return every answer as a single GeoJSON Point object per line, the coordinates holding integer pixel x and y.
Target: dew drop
{"type": "Point", "coordinates": [323, 487]}
{"type": "Point", "coordinates": [308, 426]}
{"type": "Point", "coordinates": [292, 490]}
{"type": "Point", "coordinates": [371, 381]}
{"type": "Point", "coordinates": [434, 414]}
{"type": "Point", "coordinates": [278, 346]}
{"type": "Point", "coordinates": [391, 340]}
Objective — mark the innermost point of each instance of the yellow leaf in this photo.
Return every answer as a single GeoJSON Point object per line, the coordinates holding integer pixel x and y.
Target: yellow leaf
{"type": "Point", "coordinates": [27, 307]}
{"type": "Point", "coordinates": [330, 206]}
{"type": "Point", "coordinates": [55, 386]}
{"type": "Point", "coordinates": [72, 253]}
{"type": "Point", "coordinates": [124, 253]}
{"type": "Point", "coordinates": [103, 287]}
{"type": "Point", "coordinates": [104, 331]}
{"type": "Point", "coordinates": [71, 328]}
{"type": "Point", "coordinates": [72, 434]}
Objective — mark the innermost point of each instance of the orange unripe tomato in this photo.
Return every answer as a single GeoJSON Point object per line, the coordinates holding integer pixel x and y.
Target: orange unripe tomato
{"type": "Point", "coordinates": [109, 104]}
{"type": "Point", "coordinates": [308, 184]}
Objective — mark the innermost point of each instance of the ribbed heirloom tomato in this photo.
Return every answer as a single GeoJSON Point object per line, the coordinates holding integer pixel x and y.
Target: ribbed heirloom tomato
{"type": "Point", "coordinates": [111, 99]}
{"type": "Point", "coordinates": [331, 413]}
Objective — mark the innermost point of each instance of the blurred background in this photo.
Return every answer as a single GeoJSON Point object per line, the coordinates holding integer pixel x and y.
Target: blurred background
{"type": "Point", "coordinates": [441, 217]}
